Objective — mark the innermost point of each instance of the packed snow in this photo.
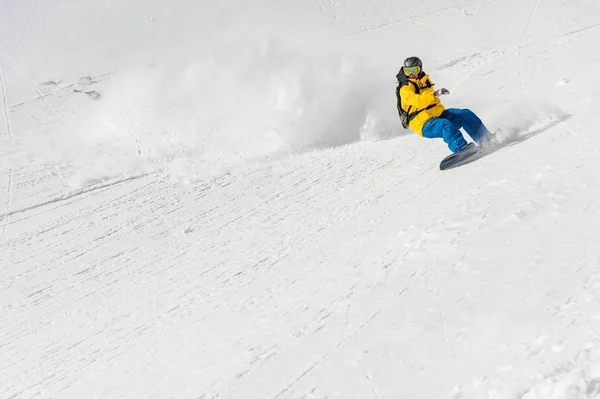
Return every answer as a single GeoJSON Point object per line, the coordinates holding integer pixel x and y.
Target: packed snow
{"type": "Point", "coordinates": [204, 199]}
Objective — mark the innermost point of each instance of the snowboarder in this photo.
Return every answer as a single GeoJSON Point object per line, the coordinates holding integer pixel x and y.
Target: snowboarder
{"type": "Point", "coordinates": [421, 110]}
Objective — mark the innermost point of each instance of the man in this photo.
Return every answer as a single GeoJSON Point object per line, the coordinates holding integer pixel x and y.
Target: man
{"type": "Point", "coordinates": [424, 113]}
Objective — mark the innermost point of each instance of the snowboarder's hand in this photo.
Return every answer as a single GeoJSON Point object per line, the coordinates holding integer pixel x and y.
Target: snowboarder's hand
{"type": "Point", "coordinates": [441, 92]}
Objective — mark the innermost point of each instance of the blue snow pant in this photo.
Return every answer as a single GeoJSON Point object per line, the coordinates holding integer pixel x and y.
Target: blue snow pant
{"type": "Point", "coordinates": [448, 125]}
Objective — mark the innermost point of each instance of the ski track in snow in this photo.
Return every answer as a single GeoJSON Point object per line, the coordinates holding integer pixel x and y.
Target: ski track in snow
{"type": "Point", "coordinates": [10, 137]}
{"type": "Point", "coordinates": [6, 107]}
{"type": "Point", "coordinates": [523, 38]}
{"type": "Point", "coordinates": [74, 194]}
{"type": "Point", "coordinates": [47, 108]}
{"type": "Point", "coordinates": [340, 344]}
{"type": "Point", "coordinates": [8, 202]}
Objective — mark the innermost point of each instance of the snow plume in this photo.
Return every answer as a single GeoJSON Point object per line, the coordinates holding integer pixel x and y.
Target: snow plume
{"type": "Point", "coordinates": [525, 118]}
{"type": "Point", "coordinates": [226, 106]}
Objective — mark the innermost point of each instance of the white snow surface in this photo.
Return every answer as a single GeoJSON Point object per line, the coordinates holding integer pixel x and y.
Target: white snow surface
{"type": "Point", "coordinates": [216, 199]}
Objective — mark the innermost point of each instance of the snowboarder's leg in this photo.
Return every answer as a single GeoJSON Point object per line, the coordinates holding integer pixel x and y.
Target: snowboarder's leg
{"type": "Point", "coordinates": [467, 119]}
{"type": "Point", "coordinates": [443, 128]}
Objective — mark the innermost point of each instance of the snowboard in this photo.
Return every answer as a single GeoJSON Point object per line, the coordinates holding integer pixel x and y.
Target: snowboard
{"type": "Point", "coordinates": [461, 158]}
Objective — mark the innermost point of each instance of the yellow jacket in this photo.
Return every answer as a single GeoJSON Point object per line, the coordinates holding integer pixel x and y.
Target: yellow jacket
{"type": "Point", "coordinates": [414, 102]}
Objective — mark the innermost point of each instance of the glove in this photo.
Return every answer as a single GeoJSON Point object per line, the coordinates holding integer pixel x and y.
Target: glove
{"type": "Point", "coordinates": [440, 92]}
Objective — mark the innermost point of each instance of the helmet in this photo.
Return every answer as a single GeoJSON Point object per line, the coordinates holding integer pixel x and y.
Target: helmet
{"type": "Point", "coordinates": [413, 61]}
{"type": "Point", "coordinates": [412, 66]}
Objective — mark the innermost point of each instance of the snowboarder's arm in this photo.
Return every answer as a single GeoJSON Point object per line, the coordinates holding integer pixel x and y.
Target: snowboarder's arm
{"type": "Point", "coordinates": [418, 101]}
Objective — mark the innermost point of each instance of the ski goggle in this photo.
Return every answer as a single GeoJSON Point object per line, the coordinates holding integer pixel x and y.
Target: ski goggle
{"type": "Point", "coordinates": [413, 70]}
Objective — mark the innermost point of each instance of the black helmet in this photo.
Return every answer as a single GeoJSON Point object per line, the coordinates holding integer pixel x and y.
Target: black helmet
{"type": "Point", "coordinates": [413, 61]}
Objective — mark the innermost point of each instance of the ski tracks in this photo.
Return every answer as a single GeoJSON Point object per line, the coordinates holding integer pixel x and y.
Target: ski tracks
{"type": "Point", "coordinates": [74, 194]}
{"type": "Point", "coordinates": [341, 343]}
{"type": "Point", "coordinates": [47, 108]}
{"type": "Point", "coordinates": [10, 137]}
{"type": "Point", "coordinates": [578, 136]}
{"type": "Point", "coordinates": [6, 106]}
{"type": "Point", "coordinates": [8, 203]}
{"type": "Point", "coordinates": [523, 38]}
{"type": "Point", "coordinates": [11, 58]}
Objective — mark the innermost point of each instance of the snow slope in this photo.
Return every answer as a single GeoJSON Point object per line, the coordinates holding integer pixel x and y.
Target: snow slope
{"type": "Point", "coordinates": [216, 200]}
